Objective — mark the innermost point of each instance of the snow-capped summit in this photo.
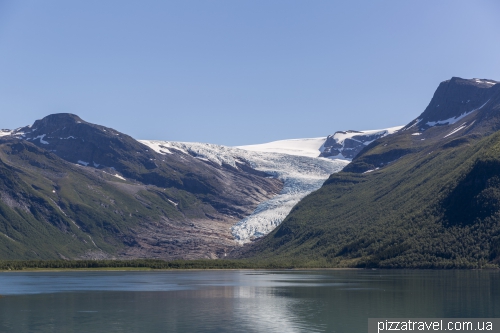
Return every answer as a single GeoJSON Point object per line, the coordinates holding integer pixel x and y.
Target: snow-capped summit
{"type": "Point", "coordinates": [342, 145]}
{"type": "Point", "coordinates": [347, 144]}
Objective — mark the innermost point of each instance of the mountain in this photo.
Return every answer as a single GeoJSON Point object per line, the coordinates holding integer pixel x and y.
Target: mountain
{"type": "Point", "coordinates": [348, 144]}
{"type": "Point", "coordinates": [72, 189]}
{"type": "Point", "coordinates": [299, 168]}
{"type": "Point", "coordinates": [454, 100]}
{"type": "Point", "coordinates": [460, 109]}
{"type": "Point", "coordinates": [299, 163]}
{"type": "Point", "coordinates": [427, 196]}
{"type": "Point", "coordinates": [342, 145]}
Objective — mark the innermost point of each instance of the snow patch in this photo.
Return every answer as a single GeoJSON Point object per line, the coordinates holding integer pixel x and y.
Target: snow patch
{"type": "Point", "coordinates": [7, 236]}
{"type": "Point", "coordinates": [453, 120]}
{"type": "Point", "coordinates": [485, 81]}
{"type": "Point", "coordinates": [417, 134]}
{"type": "Point", "coordinates": [464, 125]}
{"type": "Point", "coordinates": [118, 176]}
{"type": "Point", "coordinates": [368, 171]}
{"type": "Point", "coordinates": [161, 147]}
{"type": "Point", "coordinates": [417, 121]}
{"type": "Point", "coordinates": [5, 132]}
{"type": "Point", "coordinates": [82, 162]}
{"type": "Point", "coordinates": [93, 242]}
{"type": "Point", "coordinates": [41, 139]}
{"type": "Point", "coordinates": [340, 137]}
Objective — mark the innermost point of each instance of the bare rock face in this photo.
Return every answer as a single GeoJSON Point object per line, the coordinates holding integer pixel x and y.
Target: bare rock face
{"type": "Point", "coordinates": [348, 144]}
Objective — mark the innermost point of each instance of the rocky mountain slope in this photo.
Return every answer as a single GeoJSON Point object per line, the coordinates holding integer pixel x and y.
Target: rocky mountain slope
{"type": "Point", "coordinates": [348, 144]}
{"type": "Point", "coordinates": [425, 196]}
{"type": "Point", "coordinates": [342, 145]}
{"type": "Point", "coordinates": [71, 189]}
{"type": "Point", "coordinates": [460, 108]}
{"type": "Point", "coordinates": [299, 163]}
{"type": "Point", "coordinates": [300, 171]}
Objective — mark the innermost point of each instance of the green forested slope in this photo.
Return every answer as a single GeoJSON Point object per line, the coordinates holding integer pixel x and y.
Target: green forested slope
{"type": "Point", "coordinates": [434, 208]}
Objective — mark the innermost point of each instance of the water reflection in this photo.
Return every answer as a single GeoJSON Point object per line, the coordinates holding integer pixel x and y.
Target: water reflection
{"type": "Point", "coordinates": [238, 301]}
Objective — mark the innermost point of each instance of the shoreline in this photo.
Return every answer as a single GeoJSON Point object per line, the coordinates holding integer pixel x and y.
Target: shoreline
{"type": "Point", "coordinates": [149, 269]}
{"type": "Point", "coordinates": [144, 265]}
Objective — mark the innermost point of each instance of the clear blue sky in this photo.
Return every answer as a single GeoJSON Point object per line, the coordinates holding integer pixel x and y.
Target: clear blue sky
{"type": "Point", "coordinates": [238, 72]}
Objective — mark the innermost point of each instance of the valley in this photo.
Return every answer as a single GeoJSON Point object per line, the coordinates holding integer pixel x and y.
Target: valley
{"type": "Point", "coordinates": [76, 190]}
{"type": "Point", "coordinates": [423, 195]}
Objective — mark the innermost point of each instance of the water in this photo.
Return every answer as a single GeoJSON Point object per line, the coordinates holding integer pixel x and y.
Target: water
{"type": "Point", "coordinates": [239, 301]}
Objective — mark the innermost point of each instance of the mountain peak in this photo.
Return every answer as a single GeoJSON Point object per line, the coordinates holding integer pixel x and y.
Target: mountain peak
{"type": "Point", "coordinates": [481, 83]}
{"type": "Point", "coordinates": [58, 120]}
{"type": "Point", "coordinates": [347, 144]}
{"type": "Point", "coordinates": [456, 97]}
{"type": "Point", "coordinates": [64, 116]}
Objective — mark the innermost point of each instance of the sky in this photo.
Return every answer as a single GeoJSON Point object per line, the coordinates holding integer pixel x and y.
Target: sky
{"type": "Point", "coordinates": [238, 72]}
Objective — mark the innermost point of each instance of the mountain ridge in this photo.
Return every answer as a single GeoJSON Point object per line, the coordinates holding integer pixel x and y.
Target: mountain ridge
{"type": "Point", "coordinates": [93, 181]}
{"type": "Point", "coordinates": [212, 189]}
{"type": "Point", "coordinates": [424, 197]}
{"type": "Point", "coordinates": [72, 189]}
{"type": "Point", "coordinates": [474, 119]}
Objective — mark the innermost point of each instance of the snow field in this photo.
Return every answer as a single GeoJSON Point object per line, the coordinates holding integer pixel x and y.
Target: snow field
{"type": "Point", "coordinates": [300, 147]}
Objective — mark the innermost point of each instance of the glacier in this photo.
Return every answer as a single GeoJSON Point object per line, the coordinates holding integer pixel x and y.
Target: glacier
{"type": "Point", "coordinates": [295, 162]}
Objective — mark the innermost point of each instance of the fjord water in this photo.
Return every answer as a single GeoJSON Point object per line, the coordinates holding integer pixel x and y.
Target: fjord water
{"type": "Point", "coordinates": [239, 301]}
